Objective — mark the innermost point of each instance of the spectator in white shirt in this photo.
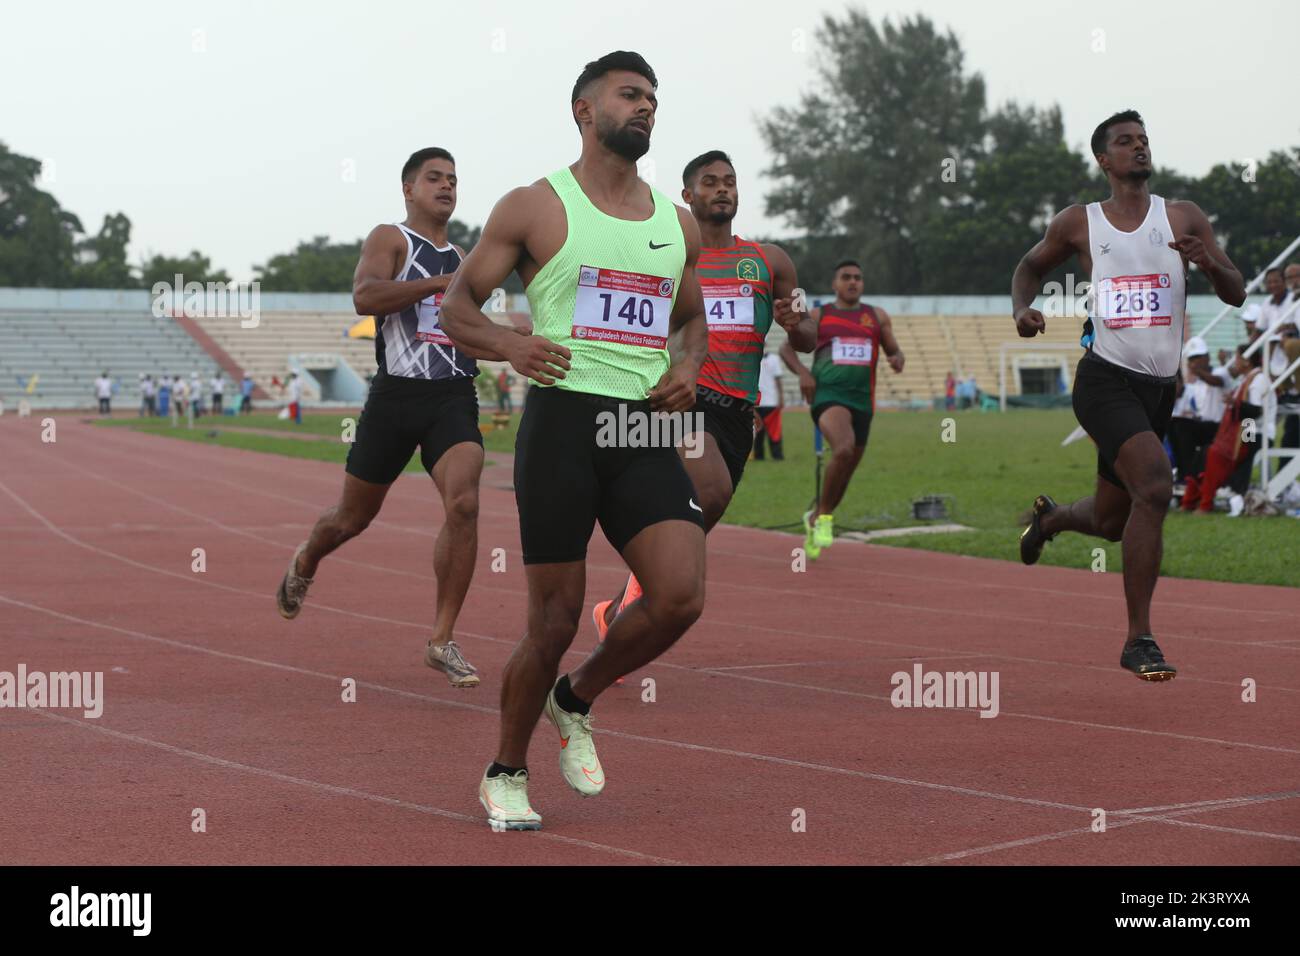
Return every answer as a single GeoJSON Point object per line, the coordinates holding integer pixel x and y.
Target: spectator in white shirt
{"type": "Point", "coordinates": [295, 398]}
{"type": "Point", "coordinates": [218, 392]}
{"type": "Point", "coordinates": [770, 404]}
{"type": "Point", "coordinates": [104, 392]}
{"type": "Point", "coordinates": [146, 395]}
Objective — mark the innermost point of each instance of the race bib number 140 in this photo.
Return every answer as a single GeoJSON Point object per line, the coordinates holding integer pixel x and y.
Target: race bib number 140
{"type": "Point", "coordinates": [629, 308]}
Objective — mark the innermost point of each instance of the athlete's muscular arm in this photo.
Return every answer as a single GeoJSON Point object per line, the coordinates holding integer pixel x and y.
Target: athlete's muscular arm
{"type": "Point", "coordinates": [688, 331]}
{"type": "Point", "coordinates": [1052, 250]}
{"type": "Point", "coordinates": [501, 245]}
{"type": "Point", "coordinates": [1198, 245]}
{"type": "Point", "coordinates": [807, 384]}
{"type": "Point", "coordinates": [374, 290]}
{"type": "Point", "coordinates": [800, 327]}
{"type": "Point", "coordinates": [887, 340]}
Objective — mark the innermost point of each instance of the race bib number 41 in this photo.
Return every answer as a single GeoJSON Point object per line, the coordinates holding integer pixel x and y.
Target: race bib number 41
{"type": "Point", "coordinates": [429, 311]}
{"type": "Point", "coordinates": [850, 351]}
{"type": "Point", "coordinates": [729, 305]}
{"type": "Point", "coordinates": [1128, 302]}
{"type": "Point", "coordinates": [628, 308]}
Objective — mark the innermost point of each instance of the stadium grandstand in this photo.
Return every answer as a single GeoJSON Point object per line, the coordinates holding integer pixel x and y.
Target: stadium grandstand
{"type": "Point", "coordinates": [55, 343]}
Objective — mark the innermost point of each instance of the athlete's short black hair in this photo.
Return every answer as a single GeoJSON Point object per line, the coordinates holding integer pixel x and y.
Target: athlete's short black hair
{"type": "Point", "coordinates": [422, 156]}
{"type": "Point", "coordinates": [1277, 269]}
{"type": "Point", "coordinates": [618, 60]}
{"type": "Point", "coordinates": [1102, 131]}
{"type": "Point", "coordinates": [702, 160]}
{"type": "Point", "coordinates": [846, 262]}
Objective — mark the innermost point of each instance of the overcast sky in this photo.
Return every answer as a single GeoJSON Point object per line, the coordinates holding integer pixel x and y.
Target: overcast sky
{"type": "Point", "coordinates": [241, 128]}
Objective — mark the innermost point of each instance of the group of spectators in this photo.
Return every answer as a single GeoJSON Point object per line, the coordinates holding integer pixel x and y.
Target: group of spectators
{"type": "Point", "coordinates": [1223, 411]}
{"type": "Point", "coordinates": [960, 393]}
{"type": "Point", "coordinates": [177, 396]}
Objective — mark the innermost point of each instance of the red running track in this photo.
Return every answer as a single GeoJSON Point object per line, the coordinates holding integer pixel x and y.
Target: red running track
{"type": "Point", "coordinates": [776, 702]}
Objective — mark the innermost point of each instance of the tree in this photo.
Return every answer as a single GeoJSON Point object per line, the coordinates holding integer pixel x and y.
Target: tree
{"type": "Point", "coordinates": [1024, 175]}
{"type": "Point", "coordinates": [861, 158]}
{"type": "Point", "coordinates": [1255, 210]}
{"type": "Point", "coordinates": [195, 267]}
{"type": "Point", "coordinates": [101, 260]}
{"type": "Point", "coordinates": [37, 236]}
{"type": "Point", "coordinates": [322, 266]}
{"type": "Point", "coordinates": [315, 266]}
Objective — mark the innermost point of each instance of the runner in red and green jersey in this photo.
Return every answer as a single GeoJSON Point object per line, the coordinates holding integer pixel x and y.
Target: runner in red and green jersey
{"type": "Point", "coordinates": [841, 388]}
{"type": "Point", "coordinates": [746, 286]}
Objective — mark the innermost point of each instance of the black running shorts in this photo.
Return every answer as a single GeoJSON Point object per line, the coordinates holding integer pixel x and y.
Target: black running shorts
{"type": "Point", "coordinates": [565, 481]}
{"type": "Point", "coordinates": [861, 420]}
{"type": "Point", "coordinates": [402, 414]}
{"type": "Point", "coordinates": [1113, 404]}
{"type": "Point", "coordinates": [730, 421]}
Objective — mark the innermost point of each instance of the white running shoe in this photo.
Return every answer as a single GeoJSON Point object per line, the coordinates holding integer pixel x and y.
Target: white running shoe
{"type": "Point", "coordinates": [505, 799]}
{"type": "Point", "coordinates": [448, 659]}
{"type": "Point", "coordinates": [578, 761]}
{"type": "Point", "coordinates": [293, 588]}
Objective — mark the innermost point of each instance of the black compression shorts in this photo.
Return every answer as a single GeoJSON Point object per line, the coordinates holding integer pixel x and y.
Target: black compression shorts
{"type": "Point", "coordinates": [861, 420]}
{"type": "Point", "coordinates": [403, 414]}
{"type": "Point", "coordinates": [1113, 404]}
{"type": "Point", "coordinates": [567, 478]}
{"type": "Point", "coordinates": [730, 421]}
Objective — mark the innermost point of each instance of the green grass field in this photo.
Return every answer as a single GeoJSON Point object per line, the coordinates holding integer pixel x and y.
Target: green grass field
{"type": "Point", "coordinates": [992, 471]}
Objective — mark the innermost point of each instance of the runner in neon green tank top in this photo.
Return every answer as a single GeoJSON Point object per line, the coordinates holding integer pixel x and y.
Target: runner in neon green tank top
{"type": "Point", "coordinates": [609, 267]}
{"type": "Point", "coordinates": [745, 285]}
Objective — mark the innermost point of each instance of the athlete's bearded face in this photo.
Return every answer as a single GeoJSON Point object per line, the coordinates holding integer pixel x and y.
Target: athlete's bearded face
{"type": "Point", "coordinates": [624, 114]}
{"type": "Point", "coordinates": [713, 198]}
{"type": "Point", "coordinates": [433, 190]}
{"type": "Point", "coordinates": [848, 284]}
{"type": "Point", "coordinates": [1128, 153]}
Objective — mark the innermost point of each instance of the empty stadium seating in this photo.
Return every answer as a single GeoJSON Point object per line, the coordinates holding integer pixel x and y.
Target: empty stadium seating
{"type": "Point", "coordinates": [68, 350]}
{"type": "Point", "coordinates": [68, 338]}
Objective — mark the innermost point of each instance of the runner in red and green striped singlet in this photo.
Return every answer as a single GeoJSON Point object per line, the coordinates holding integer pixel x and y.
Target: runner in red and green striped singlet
{"type": "Point", "coordinates": [746, 286]}
{"type": "Point", "coordinates": [737, 286]}
{"type": "Point", "coordinates": [841, 388]}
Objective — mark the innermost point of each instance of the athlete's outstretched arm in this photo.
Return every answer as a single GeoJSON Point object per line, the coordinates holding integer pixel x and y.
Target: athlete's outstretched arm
{"type": "Point", "coordinates": [375, 291]}
{"type": "Point", "coordinates": [888, 342]}
{"type": "Point", "coordinates": [688, 333]}
{"type": "Point", "coordinates": [807, 384]}
{"type": "Point", "coordinates": [1200, 246]}
{"type": "Point", "coordinates": [799, 326]}
{"type": "Point", "coordinates": [1052, 250]}
{"type": "Point", "coordinates": [499, 249]}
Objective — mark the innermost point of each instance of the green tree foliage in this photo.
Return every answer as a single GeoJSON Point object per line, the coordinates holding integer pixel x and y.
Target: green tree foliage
{"type": "Point", "coordinates": [315, 266]}
{"type": "Point", "coordinates": [196, 267]}
{"type": "Point", "coordinates": [861, 157]}
{"type": "Point", "coordinates": [893, 159]}
{"type": "Point", "coordinates": [101, 259]}
{"type": "Point", "coordinates": [1255, 209]}
{"type": "Point", "coordinates": [37, 236]}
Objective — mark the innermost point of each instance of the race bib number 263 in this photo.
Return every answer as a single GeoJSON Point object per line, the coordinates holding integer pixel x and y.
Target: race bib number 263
{"type": "Point", "coordinates": [629, 308]}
